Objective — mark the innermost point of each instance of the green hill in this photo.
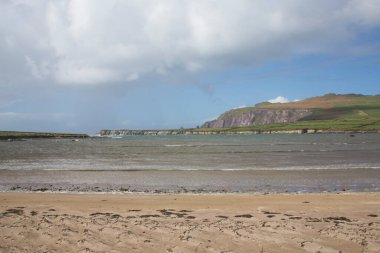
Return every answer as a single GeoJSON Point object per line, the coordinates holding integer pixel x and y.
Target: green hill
{"type": "Point", "coordinates": [350, 112]}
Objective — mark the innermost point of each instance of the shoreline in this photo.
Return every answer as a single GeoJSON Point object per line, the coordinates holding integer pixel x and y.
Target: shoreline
{"type": "Point", "coordinates": [191, 181]}
{"type": "Point", "coordinates": [110, 133]}
{"type": "Point", "coordinates": [312, 222]}
{"type": "Point", "coordinates": [188, 193]}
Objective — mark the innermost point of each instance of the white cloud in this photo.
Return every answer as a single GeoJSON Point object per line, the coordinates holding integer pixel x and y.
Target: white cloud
{"type": "Point", "coordinates": [97, 41]}
{"type": "Point", "coordinates": [279, 99]}
{"type": "Point", "coordinates": [9, 42]}
{"type": "Point", "coordinates": [132, 77]}
{"type": "Point", "coordinates": [78, 73]}
{"type": "Point", "coordinates": [33, 67]}
{"type": "Point", "coordinates": [240, 106]}
{"type": "Point", "coordinates": [40, 70]}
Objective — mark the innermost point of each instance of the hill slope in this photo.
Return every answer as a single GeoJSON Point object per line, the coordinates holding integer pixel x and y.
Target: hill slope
{"type": "Point", "coordinates": [329, 112]}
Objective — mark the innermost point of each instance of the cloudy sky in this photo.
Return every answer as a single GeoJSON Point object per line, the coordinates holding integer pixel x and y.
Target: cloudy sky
{"type": "Point", "coordinates": [85, 65]}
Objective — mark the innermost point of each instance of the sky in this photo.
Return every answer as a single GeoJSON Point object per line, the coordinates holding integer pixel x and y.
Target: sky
{"type": "Point", "coordinates": [86, 65]}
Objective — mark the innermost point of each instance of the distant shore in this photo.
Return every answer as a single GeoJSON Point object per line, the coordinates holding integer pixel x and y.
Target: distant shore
{"type": "Point", "coordinates": [227, 132]}
{"type": "Point", "coordinates": [323, 222]}
{"type": "Point", "coordinates": [15, 135]}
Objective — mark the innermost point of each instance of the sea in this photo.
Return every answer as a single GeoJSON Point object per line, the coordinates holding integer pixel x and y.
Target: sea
{"type": "Point", "coordinates": [261, 163]}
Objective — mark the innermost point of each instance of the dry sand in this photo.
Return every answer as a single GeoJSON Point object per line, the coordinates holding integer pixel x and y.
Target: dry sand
{"type": "Point", "coordinates": [323, 222]}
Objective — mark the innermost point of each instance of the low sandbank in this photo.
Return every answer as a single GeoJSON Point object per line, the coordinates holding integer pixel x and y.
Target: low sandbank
{"type": "Point", "coordinates": [314, 222]}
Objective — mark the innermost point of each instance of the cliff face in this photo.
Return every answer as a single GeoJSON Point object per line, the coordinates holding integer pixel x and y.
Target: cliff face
{"type": "Point", "coordinates": [255, 117]}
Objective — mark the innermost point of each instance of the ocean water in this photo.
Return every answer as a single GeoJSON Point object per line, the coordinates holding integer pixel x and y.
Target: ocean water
{"type": "Point", "coordinates": [210, 163]}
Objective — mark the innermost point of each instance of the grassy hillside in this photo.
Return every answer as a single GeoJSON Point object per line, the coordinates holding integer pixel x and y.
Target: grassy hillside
{"type": "Point", "coordinates": [26, 135]}
{"type": "Point", "coordinates": [328, 101]}
{"type": "Point", "coordinates": [330, 112]}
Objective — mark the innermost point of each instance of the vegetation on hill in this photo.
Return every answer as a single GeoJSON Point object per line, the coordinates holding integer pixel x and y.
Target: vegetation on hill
{"type": "Point", "coordinates": [328, 101]}
{"type": "Point", "coordinates": [333, 112]}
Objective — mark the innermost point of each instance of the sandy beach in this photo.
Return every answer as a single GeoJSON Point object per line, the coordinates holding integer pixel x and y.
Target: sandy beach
{"type": "Point", "coordinates": [316, 222]}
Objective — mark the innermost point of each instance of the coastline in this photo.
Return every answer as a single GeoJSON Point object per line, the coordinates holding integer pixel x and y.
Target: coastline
{"type": "Point", "coordinates": [325, 222]}
{"type": "Point", "coordinates": [20, 136]}
{"type": "Point", "coordinates": [191, 181]}
{"type": "Point", "coordinates": [111, 133]}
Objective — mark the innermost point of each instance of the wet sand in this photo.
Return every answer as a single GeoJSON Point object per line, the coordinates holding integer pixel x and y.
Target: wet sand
{"type": "Point", "coordinates": [191, 181]}
{"type": "Point", "coordinates": [314, 222]}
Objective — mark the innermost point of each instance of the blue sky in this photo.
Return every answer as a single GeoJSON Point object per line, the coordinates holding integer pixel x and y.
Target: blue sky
{"type": "Point", "coordinates": [81, 66]}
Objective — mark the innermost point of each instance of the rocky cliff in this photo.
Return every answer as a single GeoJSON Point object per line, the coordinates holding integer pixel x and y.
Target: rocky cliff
{"type": "Point", "coordinates": [254, 117]}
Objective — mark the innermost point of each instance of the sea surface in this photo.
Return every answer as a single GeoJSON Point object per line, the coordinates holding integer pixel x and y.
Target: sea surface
{"type": "Point", "coordinates": [192, 163]}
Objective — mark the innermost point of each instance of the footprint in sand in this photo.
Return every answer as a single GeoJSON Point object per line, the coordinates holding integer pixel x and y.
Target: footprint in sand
{"type": "Point", "coordinates": [244, 216]}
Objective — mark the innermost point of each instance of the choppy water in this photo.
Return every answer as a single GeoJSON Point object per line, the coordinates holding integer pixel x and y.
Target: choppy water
{"type": "Point", "coordinates": [194, 163]}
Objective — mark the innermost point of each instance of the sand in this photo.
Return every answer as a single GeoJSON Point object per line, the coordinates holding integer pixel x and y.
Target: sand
{"type": "Point", "coordinates": [318, 222]}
